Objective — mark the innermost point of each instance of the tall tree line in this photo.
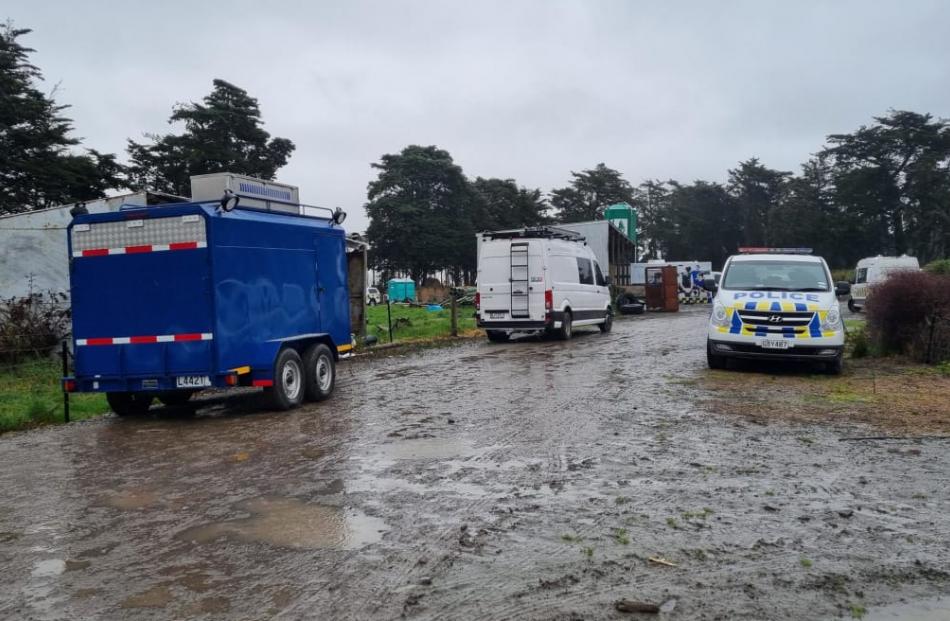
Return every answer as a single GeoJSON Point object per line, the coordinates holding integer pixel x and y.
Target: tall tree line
{"type": "Point", "coordinates": [882, 189]}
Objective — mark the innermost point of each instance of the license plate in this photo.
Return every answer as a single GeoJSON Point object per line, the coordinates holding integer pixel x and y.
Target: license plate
{"type": "Point", "coordinates": [193, 381]}
{"type": "Point", "coordinates": [774, 344]}
{"type": "Point", "coordinates": [496, 315]}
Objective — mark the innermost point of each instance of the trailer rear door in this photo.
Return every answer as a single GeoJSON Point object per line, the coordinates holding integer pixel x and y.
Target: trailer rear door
{"type": "Point", "coordinates": [141, 296]}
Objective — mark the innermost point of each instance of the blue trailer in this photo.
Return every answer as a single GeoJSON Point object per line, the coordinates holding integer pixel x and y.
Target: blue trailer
{"type": "Point", "coordinates": [170, 299]}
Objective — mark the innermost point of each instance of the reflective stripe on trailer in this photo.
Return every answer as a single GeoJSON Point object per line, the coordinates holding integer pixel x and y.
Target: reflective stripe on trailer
{"type": "Point", "coordinates": [99, 252]}
{"type": "Point", "coordinates": [138, 340]}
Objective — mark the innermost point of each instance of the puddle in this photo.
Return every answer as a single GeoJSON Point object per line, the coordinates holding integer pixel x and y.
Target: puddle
{"type": "Point", "coordinates": [290, 523]}
{"type": "Point", "coordinates": [127, 501]}
{"type": "Point", "coordinates": [927, 610]}
{"type": "Point", "coordinates": [156, 597]}
{"type": "Point", "coordinates": [48, 568]}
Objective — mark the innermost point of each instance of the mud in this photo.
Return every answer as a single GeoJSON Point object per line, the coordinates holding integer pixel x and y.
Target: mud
{"type": "Point", "coordinates": [529, 480]}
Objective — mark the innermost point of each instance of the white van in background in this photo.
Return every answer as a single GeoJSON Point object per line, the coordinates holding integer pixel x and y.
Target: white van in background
{"type": "Point", "coordinates": [874, 270]}
{"type": "Point", "coordinates": [539, 279]}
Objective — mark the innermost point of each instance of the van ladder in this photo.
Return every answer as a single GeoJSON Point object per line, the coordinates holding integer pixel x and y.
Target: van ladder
{"type": "Point", "coordinates": [519, 280]}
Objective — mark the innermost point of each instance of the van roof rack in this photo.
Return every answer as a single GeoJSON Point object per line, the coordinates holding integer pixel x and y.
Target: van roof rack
{"type": "Point", "coordinates": [544, 232]}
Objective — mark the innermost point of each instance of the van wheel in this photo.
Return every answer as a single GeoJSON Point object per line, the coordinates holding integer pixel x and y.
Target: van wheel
{"type": "Point", "coordinates": [714, 361]}
{"type": "Point", "coordinates": [852, 307]}
{"type": "Point", "coordinates": [175, 398]}
{"type": "Point", "coordinates": [497, 336]}
{"type": "Point", "coordinates": [288, 388]}
{"type": "Point", "coordinates": [608, 322]}
{"type": "Point", "coordinates": [320, 370]}
{"type": "Point", "coordinates": [129, 403]}
{"type": "Point", "coordinates": [566, 330]}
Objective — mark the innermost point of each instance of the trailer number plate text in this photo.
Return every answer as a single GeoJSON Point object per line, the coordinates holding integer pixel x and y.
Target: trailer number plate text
{"type": "Point", "coordinates": [193, 381]}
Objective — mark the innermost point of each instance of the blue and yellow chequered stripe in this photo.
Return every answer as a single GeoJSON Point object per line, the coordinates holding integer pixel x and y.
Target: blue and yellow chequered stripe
{"type": "Point", "coordinates": [813, 329]}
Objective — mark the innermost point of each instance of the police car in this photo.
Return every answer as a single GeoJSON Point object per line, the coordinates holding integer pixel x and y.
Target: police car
{"type": "Point", "coordinates": [776, 303]}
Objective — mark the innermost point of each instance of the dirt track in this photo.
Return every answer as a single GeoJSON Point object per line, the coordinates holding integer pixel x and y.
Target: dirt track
{"type": "Point", "coordinates": [531, 480]}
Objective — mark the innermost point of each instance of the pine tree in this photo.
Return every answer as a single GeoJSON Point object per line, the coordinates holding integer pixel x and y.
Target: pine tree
{"type": "Point", "coordinates": [222, 134]}
{"type": "Point", "coordinates": [37, 167]}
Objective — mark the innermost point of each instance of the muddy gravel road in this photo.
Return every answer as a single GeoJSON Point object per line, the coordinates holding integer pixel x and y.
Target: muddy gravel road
{"type": "Point", "coordinates": [528, 480]}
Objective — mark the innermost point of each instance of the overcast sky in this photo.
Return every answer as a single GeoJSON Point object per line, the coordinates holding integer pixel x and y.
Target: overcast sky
{"type": "Point", "coordinates": [527, 90]}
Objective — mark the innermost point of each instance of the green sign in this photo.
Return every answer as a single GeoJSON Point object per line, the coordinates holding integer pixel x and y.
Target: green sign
{"type": "Point", "coordinates": [624, 217]}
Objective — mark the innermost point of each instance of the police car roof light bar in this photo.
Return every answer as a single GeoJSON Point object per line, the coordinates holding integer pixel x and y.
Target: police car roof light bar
{"type": "Point", "coordinates": [759, 250]}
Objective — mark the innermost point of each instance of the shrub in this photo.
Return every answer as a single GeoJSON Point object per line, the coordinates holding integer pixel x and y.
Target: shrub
{"type": "Point", "coordinates": [32, 325]}
{"type": "Point", "coordinates": [939, 267]}
{"type": "Point", "coordinates": [858, 339]}
{"type": "Point", "coordinates": [846, 274]}
{"type": "Point", "coordinates": [902, 310]}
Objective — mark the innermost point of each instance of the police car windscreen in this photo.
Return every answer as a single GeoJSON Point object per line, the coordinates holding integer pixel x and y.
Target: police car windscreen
{"type": "Point", "coordinates": [776, 276]}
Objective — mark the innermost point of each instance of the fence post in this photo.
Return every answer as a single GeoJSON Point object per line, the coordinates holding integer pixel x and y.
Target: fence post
{"type": "Point", "coordinates": [455, 314]}
{"type": "Point", "coordinates": [65, 355]}
{"type": "Point", "coordinates": [389, 316]}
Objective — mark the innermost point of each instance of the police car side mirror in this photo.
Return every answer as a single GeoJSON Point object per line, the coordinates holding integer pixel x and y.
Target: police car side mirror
{"type": "Point", "coordinates": [710, 285]}
{"type": "Point", "coordinates": [842, 288]}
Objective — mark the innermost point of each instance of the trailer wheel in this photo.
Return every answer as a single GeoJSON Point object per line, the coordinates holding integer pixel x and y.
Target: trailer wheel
{"type": "Point", "coordinates": [320, 372]}
{"type": "Point", "coordinates": [567, 327]}
{"type": "Point", "coordinates": [608, 322]}
{"type": "Point", "coordinates": [175, 398]}
{"type": "Point", "coordinates": [288, 389]}
{"type": "Point", "coordinates": [129, 403]}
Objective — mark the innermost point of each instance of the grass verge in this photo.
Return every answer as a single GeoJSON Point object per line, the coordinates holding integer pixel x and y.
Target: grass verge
{"type": "Point", "coordinates": [31, 395]}
{"type": "Point", "coordinates": [412, 322]}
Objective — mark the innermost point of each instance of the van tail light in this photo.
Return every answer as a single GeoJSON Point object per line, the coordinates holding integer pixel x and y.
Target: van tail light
{"type": "Point", "coordinates": [478, 301]}
{"type": "Point", "coordinates": [548, 301]}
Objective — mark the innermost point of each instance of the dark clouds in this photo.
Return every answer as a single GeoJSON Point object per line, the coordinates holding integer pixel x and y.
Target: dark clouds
{"type": "Point", "coordinates": [529, 90]}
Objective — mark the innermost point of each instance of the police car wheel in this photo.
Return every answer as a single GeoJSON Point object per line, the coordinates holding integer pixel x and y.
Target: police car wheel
{"type": "Point", "coordinates": [714, 361]}
{"type": "Point", "coordinates": [129, 403]}
{"type": "Point", "coordinates": [608, 322]}
{"type": "Point", "coordinates": [288, 389]}
{"type": "Point", "coordinates": [320, 370]}
{"type": "Point", "coordinates": [836, 366]}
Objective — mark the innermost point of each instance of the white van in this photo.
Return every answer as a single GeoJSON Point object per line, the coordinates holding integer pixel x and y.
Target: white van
{"type": "Point", "coordinates": [874, 270]}
{"type": "Point", "coordinates": [539, 279]}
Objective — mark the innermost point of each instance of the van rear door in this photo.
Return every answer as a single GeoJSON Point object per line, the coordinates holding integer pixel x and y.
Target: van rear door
{"type": "Point", "coordinates": [511, 280]}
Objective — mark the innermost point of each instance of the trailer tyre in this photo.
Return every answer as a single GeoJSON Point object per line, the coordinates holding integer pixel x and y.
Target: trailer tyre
{"type": "Point", "coordinates": [320, 372]}
{"type": "Point", "coordinates": [129, 403]}
{"type": "Point", "coordinates": [175, 398]}
{"type": "Point", "coordinates": [288, 389]}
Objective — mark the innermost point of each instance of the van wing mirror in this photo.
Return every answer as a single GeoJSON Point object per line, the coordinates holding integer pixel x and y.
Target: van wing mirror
{"type": "Point", "coordinates": [709, 284]}
{"type": "Point", "coordinates": [842, 288]}
{"type": "Point", "coordinates": [607, 281]}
